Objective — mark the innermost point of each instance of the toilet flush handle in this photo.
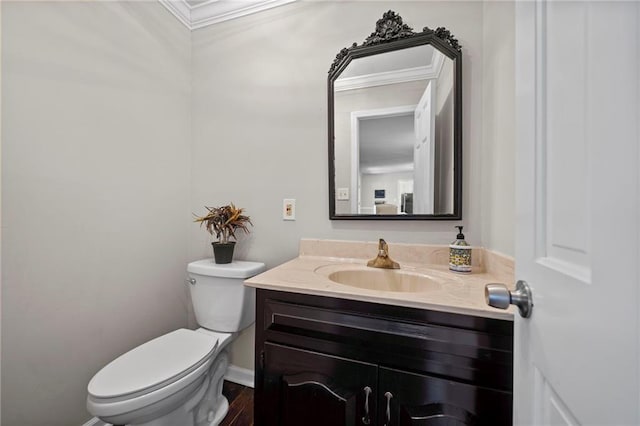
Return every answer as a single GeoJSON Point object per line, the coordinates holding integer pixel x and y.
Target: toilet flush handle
{"type": "Point", "coordinates": [191, 281]}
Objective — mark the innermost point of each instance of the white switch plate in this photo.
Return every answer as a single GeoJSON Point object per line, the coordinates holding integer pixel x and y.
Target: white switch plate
{"type": "Point", "coordinates": [343, 194]}
{"type": "Point", "coordinates": [289, 209]}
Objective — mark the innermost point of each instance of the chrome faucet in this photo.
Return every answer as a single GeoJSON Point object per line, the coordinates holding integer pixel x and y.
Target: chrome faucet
{"type": "Point", "coordinates": [383, 260]}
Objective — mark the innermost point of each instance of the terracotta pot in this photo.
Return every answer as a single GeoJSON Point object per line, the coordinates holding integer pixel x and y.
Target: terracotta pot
{"type": "Point", "coordinates": [223, 252]}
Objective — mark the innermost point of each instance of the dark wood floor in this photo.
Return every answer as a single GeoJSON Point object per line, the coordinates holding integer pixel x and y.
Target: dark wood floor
{"type": "Point", "coordinates": [240, 405]}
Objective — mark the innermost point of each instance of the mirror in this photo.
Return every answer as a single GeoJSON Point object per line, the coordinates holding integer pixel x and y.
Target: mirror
{"type": "Point", "coordinates": [395, 126]}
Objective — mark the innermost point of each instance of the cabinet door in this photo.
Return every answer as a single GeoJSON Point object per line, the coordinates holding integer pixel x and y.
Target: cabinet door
{"type": "Point", "coordinates": [408, 399]}
{"type": "Point", "coordinates": [308, 388]}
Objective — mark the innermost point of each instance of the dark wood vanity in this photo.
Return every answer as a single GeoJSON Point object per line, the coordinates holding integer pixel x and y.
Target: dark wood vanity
{"type": "Point", "coordinates": [331, 362]}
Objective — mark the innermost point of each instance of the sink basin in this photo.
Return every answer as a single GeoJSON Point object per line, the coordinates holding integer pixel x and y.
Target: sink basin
{"type": "Point", "coordinates": [385, 280]}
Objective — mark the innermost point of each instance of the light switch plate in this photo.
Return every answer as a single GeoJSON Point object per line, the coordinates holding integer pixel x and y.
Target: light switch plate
{"type": "Point", "coordinates": [343, 194]}
{"type": "Point", "coordinates": [289, 209]}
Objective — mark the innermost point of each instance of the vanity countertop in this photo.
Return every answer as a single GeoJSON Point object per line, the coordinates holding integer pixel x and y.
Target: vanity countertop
{"type": "Point", "coordinates": [461, 293]}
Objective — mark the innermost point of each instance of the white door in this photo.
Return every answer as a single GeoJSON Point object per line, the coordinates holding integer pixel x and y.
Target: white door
{"type": "Point", "coordinates": [577, 359]}
{"type": "Point", "coordinates": [424, 151]}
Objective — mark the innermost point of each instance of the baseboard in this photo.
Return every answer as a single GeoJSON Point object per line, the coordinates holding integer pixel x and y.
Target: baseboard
{"type": "Point", "coordinates": [241, 376]}
{"type": "Point", "coordinates": [95, 422]}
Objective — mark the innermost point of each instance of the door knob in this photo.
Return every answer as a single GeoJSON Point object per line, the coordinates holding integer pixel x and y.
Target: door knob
{"type": "Point", "coordinates": [499, 296]}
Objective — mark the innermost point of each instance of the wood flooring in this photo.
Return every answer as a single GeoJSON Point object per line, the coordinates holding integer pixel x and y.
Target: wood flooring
{"type": "Point", "coordinates": [240, 405]}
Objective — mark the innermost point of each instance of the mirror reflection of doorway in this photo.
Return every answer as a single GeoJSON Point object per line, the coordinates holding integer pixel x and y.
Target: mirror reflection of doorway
{"type": "Point", "coordinates": [400, 144]}
{"type": "Point", "coordinates": [385, 147]}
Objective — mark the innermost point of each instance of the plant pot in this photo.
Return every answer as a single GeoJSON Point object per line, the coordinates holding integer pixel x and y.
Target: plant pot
{"type": "Point", "coordinates": [223, 252]}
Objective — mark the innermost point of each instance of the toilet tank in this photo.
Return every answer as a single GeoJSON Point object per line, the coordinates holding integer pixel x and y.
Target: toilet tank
{"type": "Point", "coordinates": [220, 300]}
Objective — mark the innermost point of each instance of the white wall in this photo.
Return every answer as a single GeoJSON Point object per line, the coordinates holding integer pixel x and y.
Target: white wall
{"type": "Point", "coordinates": [387, 181]}
{"type": "Point", "coordinates": [95, 195]}
{"type": "Point", "coordinates": [498, 116]}
{"type": "Point", "coordinates": [259, 124]}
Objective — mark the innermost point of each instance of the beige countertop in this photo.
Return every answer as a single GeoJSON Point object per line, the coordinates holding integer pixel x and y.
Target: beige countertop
{"type": "Point", "coordinates": [461, 293]}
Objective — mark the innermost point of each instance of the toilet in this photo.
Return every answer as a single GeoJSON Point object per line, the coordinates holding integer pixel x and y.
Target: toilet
{"type": "Point", "coordinates": [176, 379]}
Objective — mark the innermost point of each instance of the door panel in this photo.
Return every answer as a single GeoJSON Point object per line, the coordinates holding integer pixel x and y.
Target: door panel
{"type": "Point", "coordinates": [307, 388]}
{"type": "Point", "coordinates": [565, 138]}
{"type": "Point", "coordinates": [550, 408]}
{"type": "Point", "coordinates": [421, 400]}
{"type": "Point", "coordinates": [424, 151]}
{"type": "Point", "coordinates": [577, 101]}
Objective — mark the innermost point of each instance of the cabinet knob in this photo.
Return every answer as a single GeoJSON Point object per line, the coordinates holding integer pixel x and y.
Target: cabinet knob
{"type": "Point", "coordinates": [388, 395]}
{"type": "Point", "coordinates": [366, 419]}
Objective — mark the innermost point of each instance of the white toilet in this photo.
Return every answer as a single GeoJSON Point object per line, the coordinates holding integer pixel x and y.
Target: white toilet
{"type": "Point", "coordinates": [176, 379]}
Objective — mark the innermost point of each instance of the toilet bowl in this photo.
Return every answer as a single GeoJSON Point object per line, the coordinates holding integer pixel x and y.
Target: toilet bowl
{"type": "Point", "coordinates": [176, 379]}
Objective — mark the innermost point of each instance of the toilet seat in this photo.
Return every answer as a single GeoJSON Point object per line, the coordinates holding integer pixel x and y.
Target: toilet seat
{"type": "Point", "coordinates": [151, 372]}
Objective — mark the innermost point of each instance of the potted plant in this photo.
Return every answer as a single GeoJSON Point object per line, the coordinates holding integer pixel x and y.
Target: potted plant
{"type": "Point", "coordinates": [224, 222]}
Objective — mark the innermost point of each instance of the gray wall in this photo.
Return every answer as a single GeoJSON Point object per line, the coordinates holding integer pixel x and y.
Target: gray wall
{"type": "Point", "coordinates": [259, 124]}
{"type": "Point", "coordinates": [95, 195]}
{"type": "Point", "coordinates": [498, 117]}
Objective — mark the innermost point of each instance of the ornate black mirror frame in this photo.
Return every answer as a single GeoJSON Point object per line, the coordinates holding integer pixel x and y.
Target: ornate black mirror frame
{"type": "Point", "coordinates": [392, 34]}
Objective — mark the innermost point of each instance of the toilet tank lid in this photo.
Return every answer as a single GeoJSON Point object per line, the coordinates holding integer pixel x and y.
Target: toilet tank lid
{"type": "Point", "coordinates": [235, 269]}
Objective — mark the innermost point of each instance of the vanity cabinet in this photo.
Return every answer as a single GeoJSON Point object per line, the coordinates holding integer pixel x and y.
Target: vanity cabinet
{"type": "Point", "coordinates": [329, 361]}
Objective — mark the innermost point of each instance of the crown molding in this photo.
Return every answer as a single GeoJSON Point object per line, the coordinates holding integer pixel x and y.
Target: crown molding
{"type": "Point", "coordinates": [214, 11]}
{"type": "Point", "coordinates": [431, 71]}
{"type": "Point", "coordinates": [383, 78]}
{"type": "Point", "coordinates": [180, 9]}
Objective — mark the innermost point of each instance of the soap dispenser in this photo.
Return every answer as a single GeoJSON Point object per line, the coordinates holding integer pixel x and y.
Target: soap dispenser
{"type": "Point", "coordinates": [460, 253]}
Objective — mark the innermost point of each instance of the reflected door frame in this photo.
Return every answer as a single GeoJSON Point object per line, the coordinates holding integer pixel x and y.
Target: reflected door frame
{"type": "Point", "coordinates": [356, 116]}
